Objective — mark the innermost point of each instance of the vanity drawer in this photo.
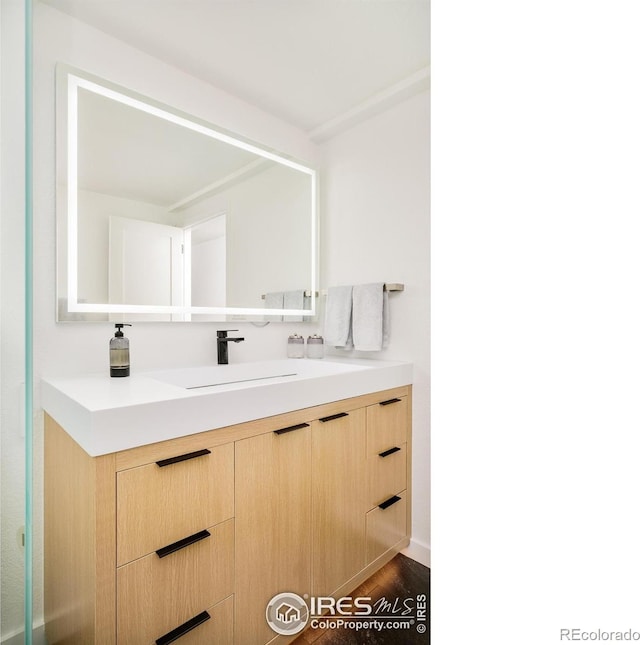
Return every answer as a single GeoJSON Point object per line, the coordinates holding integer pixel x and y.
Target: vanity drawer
{"type": "Point", "coordinates": [387, 474]}
{"type": "Point", "coordinates": [162, 590]}
{"type": "Point", "coordinates": [213, 626]}
{"type": "Point", "coordinates": [386, 525]}
{"type": "Point", "coordinates": [162, 502]}
{"type": "Point", "coordinates": [386, 425]}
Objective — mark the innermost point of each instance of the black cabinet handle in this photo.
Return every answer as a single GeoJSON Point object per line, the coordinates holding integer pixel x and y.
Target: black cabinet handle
{"type": "Point", "coordinates": [180, 544]}
{"type": "Point", "coordinates": [178, 632]}
{"type": "Point", "coordinates": [390, 401]}
{"type": "Point", "coordinates": [386, 453]}
{"type": "Point", "coordinates": [390, 502]}
{"type": "Point", "coordinates": [179, 458]}
{"type": "Point", "coordinates": [334, 416]}
{"type": "Point", "coordinates": [291, 428]}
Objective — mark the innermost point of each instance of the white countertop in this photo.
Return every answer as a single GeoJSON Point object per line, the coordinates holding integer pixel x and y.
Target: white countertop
{"type": "Point", "coordinates": [105, 415]}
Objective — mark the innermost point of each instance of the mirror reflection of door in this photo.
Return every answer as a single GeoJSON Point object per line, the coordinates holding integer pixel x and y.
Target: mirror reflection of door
{"type": "Point", "coordinates": [145, 263]}
{"type": "Point", "coordinates": [209, 262]}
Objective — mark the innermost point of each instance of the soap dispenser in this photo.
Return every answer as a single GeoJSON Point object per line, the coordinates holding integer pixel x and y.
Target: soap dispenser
{"type": "Point", "coordinates": [119, 352]}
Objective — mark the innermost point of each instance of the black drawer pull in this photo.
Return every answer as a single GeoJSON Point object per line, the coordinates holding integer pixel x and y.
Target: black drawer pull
{"type": "Point", "coordinates": [390, 502]}
{"type": "Point", "coordinates": [390, 401]}
{"type": "Point", "coordinates": [386, 453]}
{"type": "Point", "coordinates": [334, 416]}
{"type": "Point", "coordinates": [291, 428]}
{"type": "Point", "coordinates": [179, 458]}
{"type": "Point", "coordinates": [178, 632]}
{"type": "Point", "coordinates": [180, 544]}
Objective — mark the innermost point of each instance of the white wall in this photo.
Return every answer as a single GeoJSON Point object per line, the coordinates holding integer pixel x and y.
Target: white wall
{"type": "Point", "coordinates": [375, 228]}
{"type": "Point", "coordinates": [263, 212]}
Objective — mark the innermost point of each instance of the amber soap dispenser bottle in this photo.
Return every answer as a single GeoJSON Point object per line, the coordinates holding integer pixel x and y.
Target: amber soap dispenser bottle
{"type": "Point", "coordinates": [119, 352]}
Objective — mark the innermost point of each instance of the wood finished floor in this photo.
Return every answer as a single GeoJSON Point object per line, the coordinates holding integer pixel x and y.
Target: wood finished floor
{"type": "Point", "coordinates": [401, 578]}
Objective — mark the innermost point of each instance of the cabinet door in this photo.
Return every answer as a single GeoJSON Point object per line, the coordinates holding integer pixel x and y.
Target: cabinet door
{"type": "Point", "coordinates": [339, 500]}
{"type": "Point", "coordinates": [273, 525]}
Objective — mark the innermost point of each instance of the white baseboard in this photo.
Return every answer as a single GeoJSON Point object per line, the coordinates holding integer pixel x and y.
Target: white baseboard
{"type": "Point", "coordinates": [17, 637]}
{"type": "Point", "coordinates": [419, 552]}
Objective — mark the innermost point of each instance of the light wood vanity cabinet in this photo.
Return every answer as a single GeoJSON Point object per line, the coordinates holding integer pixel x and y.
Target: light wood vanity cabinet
{"type": "Point", "coordinates": [165, 501]}
{"type": "Point", "coordinates": [175, 543]}
{"type": "Point", "coordinates": [387, 464]}
{"type": "Point", "coordinates": [193, 536]}
{"type": "Point", "coordinates": [338, 499]}
{"type": "Point", "coordinates": [157, 594]}
{"type": "Point", "coordinates": [273, 524]}
{"type": "Point", "coordinates": [139, 545]}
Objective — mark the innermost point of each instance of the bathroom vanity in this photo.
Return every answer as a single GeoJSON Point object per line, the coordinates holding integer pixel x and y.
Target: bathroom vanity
{"type": "Point", "coordinates": [216, 497]}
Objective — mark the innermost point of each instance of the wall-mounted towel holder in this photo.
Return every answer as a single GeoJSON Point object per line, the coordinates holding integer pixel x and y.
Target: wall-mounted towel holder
{"type": "Point", "coordinates": [389, 286]}
{"type": "Point", "coordinates": [307, 294]}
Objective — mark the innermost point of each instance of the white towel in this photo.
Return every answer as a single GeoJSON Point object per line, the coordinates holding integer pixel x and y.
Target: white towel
{"type": "Point", "coordinates": [293, 300]}
{"type": "Point", "coordinates": [337, 323]}
{"type": "Point", "coordinates": [307, 305]}
{"type": "Point", "coordinates": [370, 317]}
{"type": "Point", "coordinates": [274, 300]}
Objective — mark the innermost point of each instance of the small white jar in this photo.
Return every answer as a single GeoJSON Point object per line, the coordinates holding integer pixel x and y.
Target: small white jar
{"type": "Point", "coordinates": [295, 346]}
{"type": "Point", "coordinates": [315, 346]}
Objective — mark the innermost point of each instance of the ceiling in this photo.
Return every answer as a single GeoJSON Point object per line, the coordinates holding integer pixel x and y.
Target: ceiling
{"type": "Point", "coordinates": [308, 62]}
{"type": "Point", "coordinates": [128, 153]}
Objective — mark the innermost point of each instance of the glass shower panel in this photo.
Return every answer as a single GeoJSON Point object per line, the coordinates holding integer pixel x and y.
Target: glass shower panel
{"type": "Point", "coordinates": [15, 461]}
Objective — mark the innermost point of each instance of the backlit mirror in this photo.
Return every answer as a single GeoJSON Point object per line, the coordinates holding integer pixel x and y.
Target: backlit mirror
{"type": "Point", "coordinates": [162, 216]}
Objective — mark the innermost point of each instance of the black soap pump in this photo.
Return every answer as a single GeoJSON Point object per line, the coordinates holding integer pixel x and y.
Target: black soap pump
{"type": "Point", "coordinates": [119, 352]}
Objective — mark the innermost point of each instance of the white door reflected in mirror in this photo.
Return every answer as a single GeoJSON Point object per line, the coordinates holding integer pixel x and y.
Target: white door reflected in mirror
{"type": "Point", "coordinates": [145, 263]}
{"type": "Point", "coordinates": [207, 242]}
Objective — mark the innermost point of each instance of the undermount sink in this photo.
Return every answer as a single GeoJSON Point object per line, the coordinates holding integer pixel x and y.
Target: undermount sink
{"type": "Point", "coordinates": [194, 378]}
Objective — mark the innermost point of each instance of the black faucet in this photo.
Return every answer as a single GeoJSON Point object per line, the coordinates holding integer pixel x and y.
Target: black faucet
{"type": "Point", "coordinates": [223, 345]}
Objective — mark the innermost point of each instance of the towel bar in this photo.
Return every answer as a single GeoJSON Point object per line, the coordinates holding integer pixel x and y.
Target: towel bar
{"type": "Point", "coordinates": [307, 294]}
{"type": "Point", "coordinates": [389, 286]}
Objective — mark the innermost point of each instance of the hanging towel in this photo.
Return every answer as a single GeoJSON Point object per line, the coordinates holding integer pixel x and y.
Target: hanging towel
{"type": "Point", "coordinates": [370, 317]}
{"type": "Point", "coordinates": [337, 323]}
{"type": "Point", "coordinates": [274, 300]}
{"type": "Point", "coordinates": [293, 300]}
{"type": "Point", "coordinates": [307, 305]}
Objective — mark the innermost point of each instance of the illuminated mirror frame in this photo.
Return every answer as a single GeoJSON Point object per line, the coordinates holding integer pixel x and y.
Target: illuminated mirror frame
{"type": "Point", "coordinates": [69, 80]}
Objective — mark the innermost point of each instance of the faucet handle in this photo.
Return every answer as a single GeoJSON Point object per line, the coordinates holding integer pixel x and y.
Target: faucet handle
{"type": "Point", "coordinates": [222, 333]}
